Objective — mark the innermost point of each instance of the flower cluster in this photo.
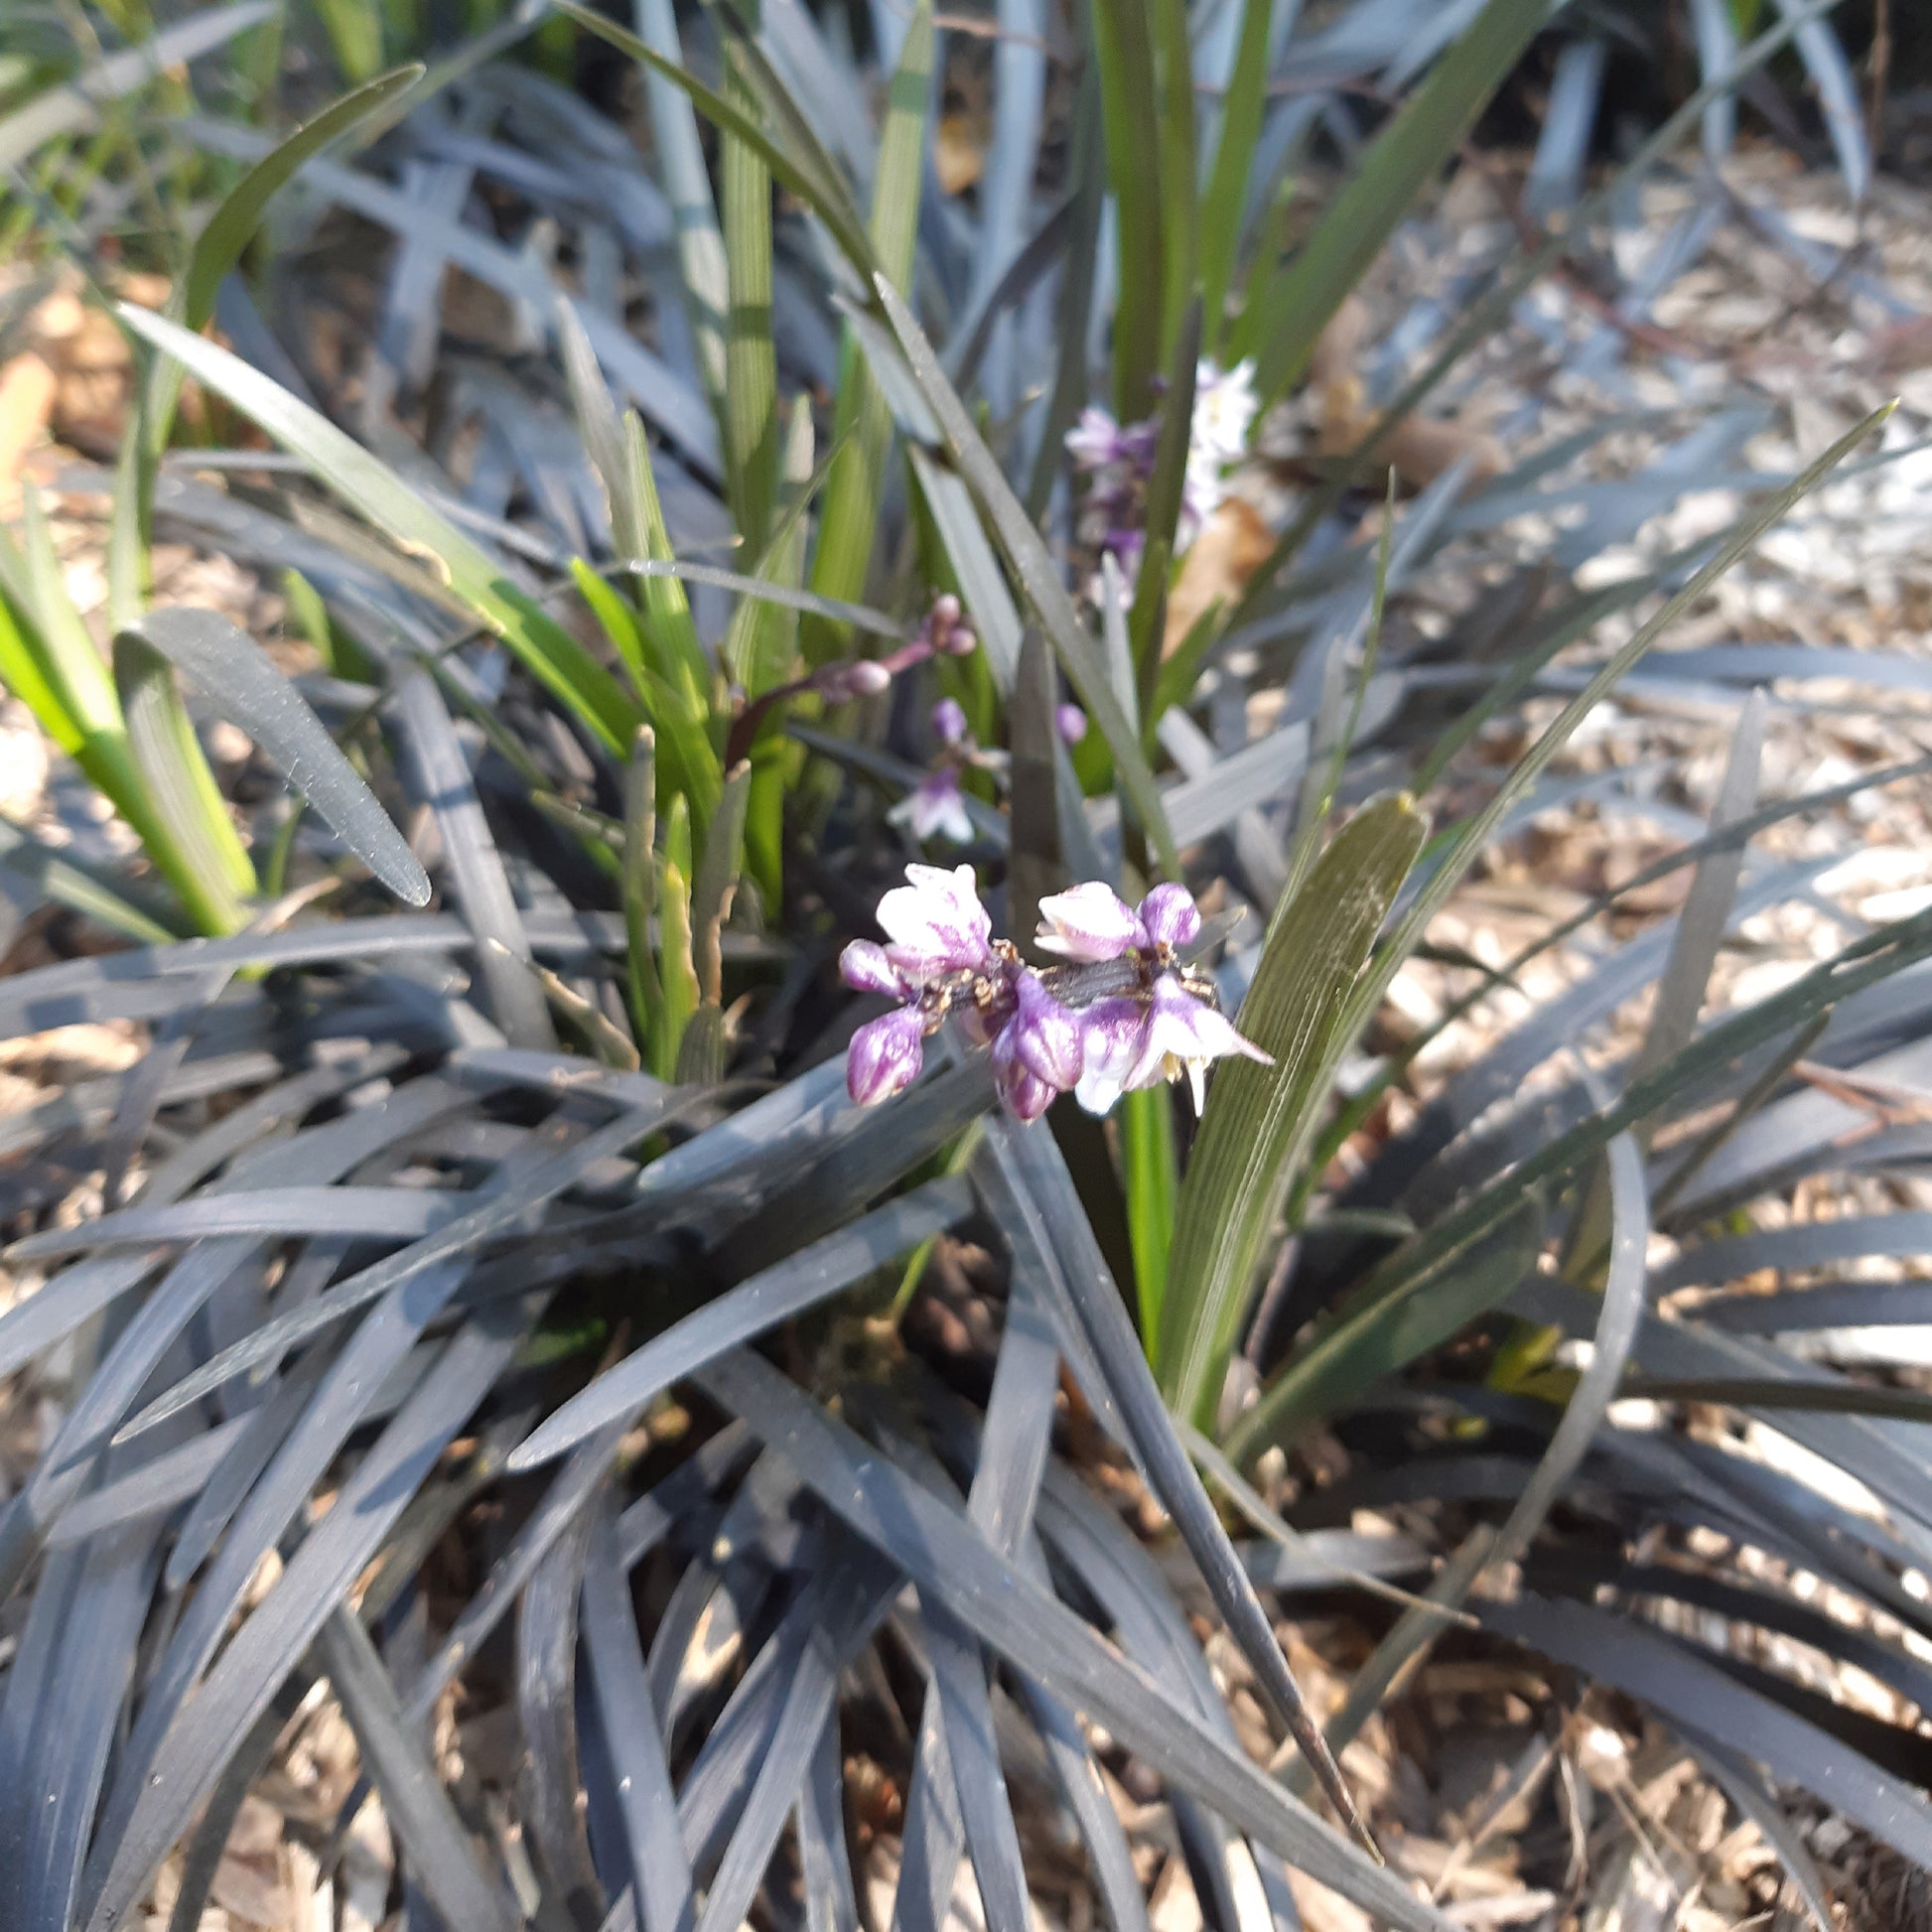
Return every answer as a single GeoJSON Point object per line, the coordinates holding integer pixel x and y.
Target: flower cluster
{"type": "Point", "coordinates": [1118, 1010]}
{"type": "Point", "coordinates": [1117, 460]}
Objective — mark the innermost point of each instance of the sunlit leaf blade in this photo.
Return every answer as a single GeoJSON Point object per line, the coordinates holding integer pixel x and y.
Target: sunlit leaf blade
{"type": "Point", "coordinates": [218, 247]}
{"type": "Point", "coordinates": [1260, 1119]}
{"type": "Point", "coordinates": [827, 199]}
{"type": "Point", "coordinates": [235, 676]}
{"type": "Point", "coordinates": [547, 651]}
{"type": "Point", "coordinates": [1384, 187]}
{"type": "Point", "coordinates": [861, 423]}
{"type": "Point", "coordinates": [178, 787]}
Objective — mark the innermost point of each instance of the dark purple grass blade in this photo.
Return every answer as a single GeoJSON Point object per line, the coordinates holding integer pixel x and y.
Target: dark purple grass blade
{"type": "Point", "coordinates": [788, 1289]}
{"type": "Point", "coordinates": [1037, 1184]}
{"type": "Point", "coordinates": [647, 1801]}
{"type": "Point", "coordinates": [440, 1852]}
{"type": "Point", "coordinates": [1039, 1637]}
{"type": "Point", "coordinates": [271, 1642]}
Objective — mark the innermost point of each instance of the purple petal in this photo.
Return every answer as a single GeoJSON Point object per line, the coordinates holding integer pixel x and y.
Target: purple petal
{"type": "Point", "coordinates": [1087, 922]}
{"type": "Point", "coordinates": [1024, 1094]}
{"type": "Point", "coordinates": [1045, 1036]}
{"type": "Point", "coordinates": [1070, 722]}
{"type": "Point", "coordinates": [949, 721]}
{"type": "Point", "coordinates": [884, 1056]}
{"type": "Point", "coordinates": [1170, 916]}
{"type": "Point", "coordinates": [865, 968]}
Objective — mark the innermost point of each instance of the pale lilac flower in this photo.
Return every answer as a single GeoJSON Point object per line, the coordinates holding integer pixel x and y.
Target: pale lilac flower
{"type": "Point", "coordinates": [935, 810]}
{"type": "Point", "coordinates": [1096, 440]}
{"type": "Point", "coordinates": [949, 722]}
{"type": "Point", "coordinates": [1225, 406]}
{"type": "Point", "coordinates": [1127, 1045]}
{"type": "Point", "coordinates": [1112, 1032]}
{"type": "Point", "coordinates": [1088, 922]}
{"type": "Point", "coordinates": [936, 923]}
{"type": "Point", "coordinates": [1070, 722]}
{"type": "Point", "coordinates": [884, 1056]}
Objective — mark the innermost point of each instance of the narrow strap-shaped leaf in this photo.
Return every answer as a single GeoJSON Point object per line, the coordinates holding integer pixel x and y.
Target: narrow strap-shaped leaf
{"type": "Point", "coordinates": [228, 231]}
{"type": "Point", "coordinates": [65, 108]}
{"type": "Point", "coordinates": [1705, 1701]}
{"type": "Point", "coordinates": [1260, 1119]}
{"type": "Point", "coordinates": [823, 194]}
{"type": "Point", "coordinates": [1039, 1636]}
{"type": "Point", "coordinates": [1386, 181]}
{"type": "Point", "coordinates": [179, 788]}
{"type": "Point", "coordinates": [687, 182]}
{"type": "Point", "coordinates": [238, 680]}
{"type": "Point", "coordinates": [776, 1294]}
{"type": "Point", "coordinates": [848, 531]}
{"type": "Point", "coordinates": [270, 1643]}
{"type": "Point", "coordinates": [545, 648]}
{"type": "Point", "coordinates": [441, 1856]}
{"type": "Point", "coordinates": [1036, 1180]}
{"type": "Point", "coordinates": [439, 776]}
{"type": "Point", "coordinates": [1123, 48]}
{"type": "Point", "coordinates": [1037, 574]}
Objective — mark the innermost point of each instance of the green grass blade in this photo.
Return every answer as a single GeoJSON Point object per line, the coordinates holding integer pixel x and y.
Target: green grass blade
{"type": "Point", "coordinates": [1179, 211]}
{"type": "Point", "coordinates": [1410, 1274]}
{"type": "Point", "coordinates": [67, 883]}
{"type": "Point", "coordinates": [668, 626]}
{"type": "Point", "coordinates": [687, 183]}
{"type": "Point", "coordinates": [1228, 186]}
{"type": "Point", "coordinates": [1123, 52]}
{"type": "Point", "coordinates": [639, 894]}
{"type": "Point", "coordinates": [542, 646]}
{"type": "Point", "coordinates": [66, 108]}
{"type": "Point", "coordinates": [826, 196]}
{"type": "Point", "coordinates": [217, 249]}
{"type": "Point", "coordinates": [1149, 1179]}
{"type": "Point", "coordinates": [1148, 620]}
{"type": "Point", "coordinates": [1475, 832]}
{"type": "Point", "coordinates": [1039, 578]}
{"type": "Point", "coordinates": [861, 423]}
{"type": "Point", "coordinates": [210, 867]}
{"type": "Point", "coordinates": [1260, 1119]}
{"type": "Point", "coordinates": [751, 360]}
{"type": "Point", "coordinates": [1403, 159]}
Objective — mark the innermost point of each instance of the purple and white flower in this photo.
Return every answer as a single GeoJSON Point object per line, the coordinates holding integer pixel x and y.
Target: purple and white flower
{"type": "Point", "coordinates": [935, 808]}
{"type": "Point", "coordinates": [1089, 923]}
{"type": "Point", "coordinates": [936, 923]}
{"type": "Point", "coordinates": [1070, 722]}
{"type": "Point", "coordinates": [1129, 1043]}
{"type": "Point", "coordinates": [1116, 1013]}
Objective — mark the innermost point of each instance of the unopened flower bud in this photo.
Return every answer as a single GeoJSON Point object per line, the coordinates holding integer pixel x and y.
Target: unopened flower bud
{"type": "Point", "coordinates": [1070, 722]}
{"type": "Point", "coordinates": [884, 1056]}
{"type": "Point", "coordinates": [867, 679]}
{"type": "Point", "coordinates": [949, 721]}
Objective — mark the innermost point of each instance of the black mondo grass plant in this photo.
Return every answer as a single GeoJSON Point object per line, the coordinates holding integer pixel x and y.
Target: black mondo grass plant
{"type": "Point", "coordinates": [499, 1302]}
